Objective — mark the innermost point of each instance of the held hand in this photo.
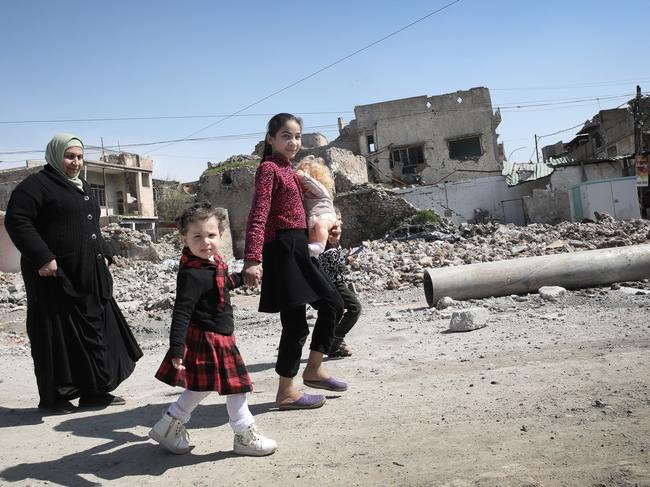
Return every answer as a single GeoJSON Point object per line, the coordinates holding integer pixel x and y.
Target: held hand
{"type": "Point", "coordinates": [178, 363]}
{"type": "Point", "coordinates": [252, 273]}
{"type": "Point", "coordinates": [334, 235]}
{"type": "Point", "coordinates": [351, 258]}
{"type": "Point", "coordinates": [49, 269]}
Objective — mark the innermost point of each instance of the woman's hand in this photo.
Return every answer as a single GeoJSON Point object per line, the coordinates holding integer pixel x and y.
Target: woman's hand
{"type": "Point", "coordinates": [178, 363]}
{"type": "Point", "coordinates": [252, 273]}
{"type": "Point", "coordinates": [49, 269]}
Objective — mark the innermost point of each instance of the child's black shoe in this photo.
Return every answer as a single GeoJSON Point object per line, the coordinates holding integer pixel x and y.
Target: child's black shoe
{"type": "Point", "coordinates": [339, 349]}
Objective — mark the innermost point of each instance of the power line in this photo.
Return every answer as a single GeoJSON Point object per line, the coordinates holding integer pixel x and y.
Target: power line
{"type": "Point", "coordinates": [504, 106]}
{"type": "Point", "coordinates": [252, 135]}
{"type": "Point", "coordinates": [557, 105]}
{"type": "Point", "coordinates": [565, 102]}
{"type": "Point", "coordinates": [305, 78]}
{"type": "Point", "coordinates": [552, 102]}
{"type": "Point", "coordinates": [578, 85]}
{"type": "Point", "coordinates": [160, 117]}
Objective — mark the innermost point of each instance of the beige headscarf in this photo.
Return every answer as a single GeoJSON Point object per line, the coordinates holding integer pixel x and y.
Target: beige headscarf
{"type": "Point", "coordinates": [54, 154]}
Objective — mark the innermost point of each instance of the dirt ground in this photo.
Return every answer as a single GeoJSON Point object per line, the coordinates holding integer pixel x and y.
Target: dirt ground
{"type": "Point", "coordinates": [547, 394]}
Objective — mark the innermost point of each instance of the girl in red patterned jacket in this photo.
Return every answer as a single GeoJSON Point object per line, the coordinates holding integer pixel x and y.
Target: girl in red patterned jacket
{"type": "Point", "coordinates": [276, 238]}
{"type": "Point", "coordinates": [203, 355]}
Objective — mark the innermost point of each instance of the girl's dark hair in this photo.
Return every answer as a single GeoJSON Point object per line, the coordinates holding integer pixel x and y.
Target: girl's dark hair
{"type": "Point", "coordinates": [197, 212]}
{"type": "Point", "coordinates": [276, 123]}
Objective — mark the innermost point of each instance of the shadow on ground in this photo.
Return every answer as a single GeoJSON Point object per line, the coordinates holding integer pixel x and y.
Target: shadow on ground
{"type": "Point", "coordinates": [124, 454]}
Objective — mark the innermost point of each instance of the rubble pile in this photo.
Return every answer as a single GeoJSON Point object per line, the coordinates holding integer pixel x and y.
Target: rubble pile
{"type": "Point", "coordinates": [149, 286]}
{"type": "Point", "coordinates": [169, 245]}
{"type": "Point", "coordinates": [133, 244]}
{"type": "Point", "coordinates": [12, 290]}
{"type": "Point", "coordinates": [400, 263]}
{"type": "Point", "coordinates": [144, 286]}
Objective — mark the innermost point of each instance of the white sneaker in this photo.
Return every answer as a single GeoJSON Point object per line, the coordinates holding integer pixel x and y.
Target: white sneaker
{"type": "Point", "coordinates": [252, 442]}
{"type": "Point", "coordinates": [171, 434]}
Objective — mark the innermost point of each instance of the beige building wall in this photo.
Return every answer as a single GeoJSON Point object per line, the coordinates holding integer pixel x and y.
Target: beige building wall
{"type": "Point", "coordinates": [436, 126]}
{"type": "Point", "coordinates": [9, 255]}
{"type": "Point", "coordinates": [128, 188]}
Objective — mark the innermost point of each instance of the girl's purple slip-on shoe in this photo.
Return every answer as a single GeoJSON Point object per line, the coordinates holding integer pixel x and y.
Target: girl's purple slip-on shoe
{"type": "Point", "coordinates": [331, 384]}
{"type": "Point", "coordinates": [306, 401]}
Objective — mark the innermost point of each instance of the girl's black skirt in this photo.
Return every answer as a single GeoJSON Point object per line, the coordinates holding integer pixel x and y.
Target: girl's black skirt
{"type": "Point", "coordinates": [290, 276]}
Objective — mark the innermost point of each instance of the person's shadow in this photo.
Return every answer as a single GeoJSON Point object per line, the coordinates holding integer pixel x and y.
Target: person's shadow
{"type": "Point", "coordinates": [11, 417]}
{"type": "Point", "coordinates": [252, 368]}
{"type": "Point", "coordinates": [125, 453]}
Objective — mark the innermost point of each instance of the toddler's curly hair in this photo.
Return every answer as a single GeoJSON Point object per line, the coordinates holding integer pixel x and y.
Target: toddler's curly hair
{"type": "Point", "coordinates": [198, 212]}
{"type": "Point", "coordinates": [316, 168]}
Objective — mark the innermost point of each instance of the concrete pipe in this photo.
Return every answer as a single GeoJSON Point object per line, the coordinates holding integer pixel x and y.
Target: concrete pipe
{"type": "Point", "coordinates": [573, 270]}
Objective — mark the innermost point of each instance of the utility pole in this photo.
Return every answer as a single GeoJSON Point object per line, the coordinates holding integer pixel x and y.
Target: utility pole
{"type": "Point", "coordinates": [640, 158]}
{"type": "Point", "coordinates": [536, 151]}
{"type": "Point", "coordinates": [638, 123]}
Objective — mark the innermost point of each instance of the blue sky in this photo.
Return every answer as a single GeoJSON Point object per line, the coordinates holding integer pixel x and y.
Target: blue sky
{"type": "Point", "coordinates": [90, 59]}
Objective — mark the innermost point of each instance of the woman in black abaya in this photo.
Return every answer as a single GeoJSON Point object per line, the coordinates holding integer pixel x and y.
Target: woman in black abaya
{"type": "Point", "coordinates": [81, 344]}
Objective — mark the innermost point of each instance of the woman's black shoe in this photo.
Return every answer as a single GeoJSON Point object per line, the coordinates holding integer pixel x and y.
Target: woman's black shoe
{"type": "Point", "coordinates": [102, 400]}
{"type": "Point", "coordinates": [60, 406]}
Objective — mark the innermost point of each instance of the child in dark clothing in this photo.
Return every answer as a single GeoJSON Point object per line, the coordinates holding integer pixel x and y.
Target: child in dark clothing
{"type": "Point", "coordinates": [334, 261]}
{"type": "Point", "coordinates": [203, 355]}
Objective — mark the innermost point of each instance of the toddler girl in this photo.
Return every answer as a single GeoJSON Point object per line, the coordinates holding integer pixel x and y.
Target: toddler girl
{"type": "Point", "coordinates": [317, 188]}
{"type": "Point", "coordinates": [203, 355]}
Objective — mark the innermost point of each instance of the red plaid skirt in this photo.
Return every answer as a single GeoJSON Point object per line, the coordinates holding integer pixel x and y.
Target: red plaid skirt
{"type": "Point", "coordinates": [212, 363]}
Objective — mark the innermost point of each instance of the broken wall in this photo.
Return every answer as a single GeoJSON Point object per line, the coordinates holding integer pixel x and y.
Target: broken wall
{"type": "Point", "coordinates": [233, 190]}
{"type": "Point", "coordinates": [423, 139]}
{"type": "Point", "coordinates": [547, 206]}
{"type": "Point", "coordinates": [348, 169]}
{"type": "Point", "coordinates": [9, 255]}
{"type": "Point", "coordinates": [370, 213]}
{"type": "Point", "coordinates": [458, 200]}
{"type": "Point", "coordinates": [10, 178]}
{"type": "Point", "coordinates": [567, 177]}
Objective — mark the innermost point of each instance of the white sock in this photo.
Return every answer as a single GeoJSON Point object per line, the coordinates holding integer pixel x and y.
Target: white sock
{"type": "Point", "coordinates": [239, 415]}
{"type": "Point", "coordinates": [186, 403]}
{"type": "Point", "coordinates": [315, 249]}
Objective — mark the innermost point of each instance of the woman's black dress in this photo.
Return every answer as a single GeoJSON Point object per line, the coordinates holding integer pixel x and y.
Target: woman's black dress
{"type": "Point", "coordinates": [81, 343]}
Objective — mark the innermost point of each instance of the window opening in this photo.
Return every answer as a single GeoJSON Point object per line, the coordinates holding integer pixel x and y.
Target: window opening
{"type": "Point", "coordinates": [98, 192]}
{"type": "Point", "coordinates": [408, 157]}
{"type": "Point", "coordinates": [370, 140]}
{"type": "Point", "coordinates": [468, 148]}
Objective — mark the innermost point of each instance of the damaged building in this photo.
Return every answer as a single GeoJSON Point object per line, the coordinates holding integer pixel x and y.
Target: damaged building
{"type": "Point", "coordinates": [121, 183]}
{"type": "Point", "coordinates": [442, 153]}
{"type": "Point", "coordinates": [610, 133]}
{"type": "Point", "coordinates": [429, 139]}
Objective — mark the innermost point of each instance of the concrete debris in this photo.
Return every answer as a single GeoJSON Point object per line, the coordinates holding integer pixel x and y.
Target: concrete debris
{"type": "Point", "coordinates": [132, 244]}
{"type": "Point", "coordinates": [551, 293]}
{"type": "Point", "coordinates": [402, 260]}
{"type": "Point", "coordinates": [469, 319]}
{"type": "Point", "coordinates": [12, 289]}
{"type": "Point", "coordinates": [149, 286]}
{"type": "Point", "coordinates": [445, 302]}
{"type": "Point", "coordinates": [370, 213]}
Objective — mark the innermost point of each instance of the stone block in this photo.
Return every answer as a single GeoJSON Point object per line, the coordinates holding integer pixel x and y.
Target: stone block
{"type": "Point", "coordinates": [551, 293]}
{"type": "Point", "coordinates": [469, 319]}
